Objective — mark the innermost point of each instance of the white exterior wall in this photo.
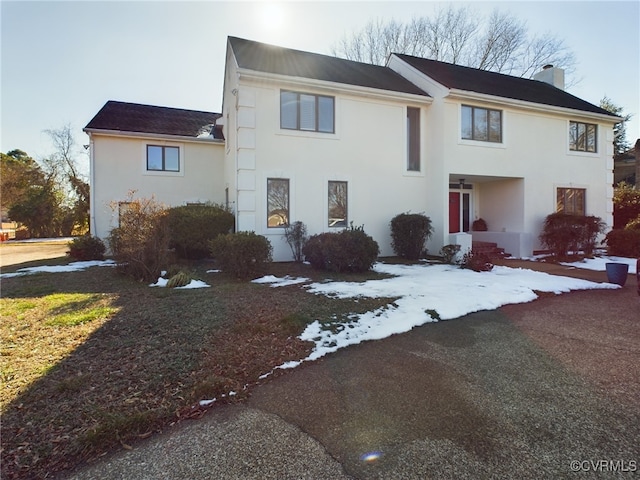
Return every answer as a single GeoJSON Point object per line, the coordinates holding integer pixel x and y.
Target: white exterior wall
{"type": "Point", "coordinates": [119, 166]}
{"type": "Point", "coordinates": [368, 150]}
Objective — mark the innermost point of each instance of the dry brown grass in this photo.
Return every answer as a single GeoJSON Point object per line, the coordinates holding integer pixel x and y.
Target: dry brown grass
{"type": "Point", "coordinates": [92, 361]}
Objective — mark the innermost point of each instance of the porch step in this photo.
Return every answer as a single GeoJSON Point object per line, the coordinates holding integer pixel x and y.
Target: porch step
{"type": "Point", "coordinates": [490, 249]}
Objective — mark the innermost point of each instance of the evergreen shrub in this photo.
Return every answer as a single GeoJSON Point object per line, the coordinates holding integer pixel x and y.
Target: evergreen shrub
{"type": "Point", "coordinates": [242, 254]}
{"type": "Point", "coordinates": [409, 233]}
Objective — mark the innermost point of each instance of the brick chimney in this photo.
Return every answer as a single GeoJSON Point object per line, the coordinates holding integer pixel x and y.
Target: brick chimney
{"type": "Point", "coordinates": [551, 75]}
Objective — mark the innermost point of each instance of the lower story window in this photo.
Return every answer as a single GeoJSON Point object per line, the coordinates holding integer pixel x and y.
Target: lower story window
{"type": "Point", "coordinates": [277, 202]}
{"type": "Point", "coordinates": [162, 158]}
{"type": "Point", "coordinates": [571, 201]}
{"type": "Point", "coordinates": [337, 204]}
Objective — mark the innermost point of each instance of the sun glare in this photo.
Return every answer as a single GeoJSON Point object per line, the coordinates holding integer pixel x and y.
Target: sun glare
{"type": "Point", "coordinates": [271, 16]}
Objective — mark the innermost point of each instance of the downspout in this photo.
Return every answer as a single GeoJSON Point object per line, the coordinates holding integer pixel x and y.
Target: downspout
{"type": "Point", "coordinates": [92, 194]}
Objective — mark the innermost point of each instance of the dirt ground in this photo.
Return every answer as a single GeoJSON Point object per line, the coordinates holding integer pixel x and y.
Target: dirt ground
{"type": "Point", "coordinates": [13, 253]}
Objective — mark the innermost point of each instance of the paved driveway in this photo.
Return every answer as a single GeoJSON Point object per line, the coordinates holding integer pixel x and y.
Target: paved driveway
{"type": "Point", "coordinates": [538, 390]}
{"type": "Point", "coordinates": [13, 253]}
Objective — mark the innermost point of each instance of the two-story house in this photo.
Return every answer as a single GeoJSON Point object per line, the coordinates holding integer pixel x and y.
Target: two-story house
{"type": "Point", "coordinates": [329, 141]}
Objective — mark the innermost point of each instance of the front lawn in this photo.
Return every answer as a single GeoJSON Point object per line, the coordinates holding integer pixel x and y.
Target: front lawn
{"type": "Point", "coordinates": [92, 361]}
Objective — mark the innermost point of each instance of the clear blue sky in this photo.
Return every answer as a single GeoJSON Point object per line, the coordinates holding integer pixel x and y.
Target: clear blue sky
{"type": "Point", "coordinates": [61, 61]}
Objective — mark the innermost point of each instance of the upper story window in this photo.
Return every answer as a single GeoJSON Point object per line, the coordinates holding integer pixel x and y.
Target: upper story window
{"type": "Point", "coordinates": [481, 124]}
{"type": "Point", "coordinates": [582, 137]}
{"type": "Point", "coordinates": [413, 139]}
{"type": "Point", "coordinates": [162, 158]}
{"type": "Point", "coordinates": [571, 201]}
{"type": "Point", "coordinates": [303, 111]}
{"type": "Point", "coordinates": [277, 202]}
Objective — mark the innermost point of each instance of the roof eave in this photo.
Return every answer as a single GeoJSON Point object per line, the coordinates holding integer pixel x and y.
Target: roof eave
{"type": "Point", "coordinates": [165, 136]}
{"type": "Point", "coordinates": [281, 79]}
{"type": "Point", "coordinates": [465, 94]}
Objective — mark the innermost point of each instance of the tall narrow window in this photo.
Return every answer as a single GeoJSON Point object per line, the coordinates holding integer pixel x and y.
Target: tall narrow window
{"type": "Point", "coordinates": [303, 111]}
{"type": "Point", "coordinates": [413, 139]}
{"type": "Point", "coordinates": [582, 137]}
{"type": "Point", "coordinates": [277, 202]}
{"type": "Point", "coordinates": [571, 201]}
{"type": "Point", "coordinates": [481, 124]}
{"type": "Point", "coordinates": [163, 158]}
{"type": "Point", "coordinates": [337, 204]}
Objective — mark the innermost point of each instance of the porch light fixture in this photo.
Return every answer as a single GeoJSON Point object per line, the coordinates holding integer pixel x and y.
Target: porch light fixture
{"type": "Point", "coordinates": [461, 183]}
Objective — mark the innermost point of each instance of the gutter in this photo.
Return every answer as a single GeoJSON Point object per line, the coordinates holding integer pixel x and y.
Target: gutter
{"type": "Point", "coordinates": [151, 136]}
{"type": "Point", "coordinates": [540, 107]}
{"type": "Point", "coordinates": [286, 80]}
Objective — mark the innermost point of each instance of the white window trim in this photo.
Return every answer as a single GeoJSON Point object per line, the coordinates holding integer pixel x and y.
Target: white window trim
{"type": "Point", "coordinates": [262, 204]}
{"type": "Point", "coordinates": [325, 201]}
{"type": "Point", "coordinates": [576, 186]}
{"type": "Point", "coordinates": [482, 143]}
{"type": "Point", "coordinates": [582, 153]}
{"type": "Point", "coordinates": [307, 133]}
{"type": "Point", "coordinates": [405, 171]}
{"type": "Point", "coordinates": [163, 173]}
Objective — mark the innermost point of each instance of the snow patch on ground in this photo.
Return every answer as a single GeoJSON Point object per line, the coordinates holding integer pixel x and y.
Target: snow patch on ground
{"type": "Point", "coordinates": [71, 267]}
{"type": "Point", "coordinates": [280, 282]}
{"type": "Point", "coordinates": [599, 263]}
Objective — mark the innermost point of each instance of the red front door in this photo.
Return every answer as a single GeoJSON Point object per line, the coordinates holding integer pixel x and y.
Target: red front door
{"type": "Point", "coordinates": [454, 212]}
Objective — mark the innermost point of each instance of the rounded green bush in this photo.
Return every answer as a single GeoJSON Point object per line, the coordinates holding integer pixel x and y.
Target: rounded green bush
{"type": "Point", "coordinates": [242, 254]}
{"type": "Point", "coordinates": [86, 248]}
{"type": "Point", "coordinates": [350, 250]}
{"type": "Point", "coordinates": [192, 227]}
{"type": "Point", "coordinates": [409, 233]}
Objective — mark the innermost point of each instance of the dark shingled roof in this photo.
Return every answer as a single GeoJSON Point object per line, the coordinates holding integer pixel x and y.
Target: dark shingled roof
{"type": "Point", "coordinates": [499, 85]}
{"type": "Point", "coordinates": [295, 63]}
{"type": "Point", "coordinates": [133, 117]}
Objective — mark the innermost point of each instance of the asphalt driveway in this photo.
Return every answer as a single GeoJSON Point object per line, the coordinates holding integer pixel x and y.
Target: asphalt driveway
{"type": "Point", "coordinates": [538, 390]}
{"type": "Point", "coordinates": [14, 253]}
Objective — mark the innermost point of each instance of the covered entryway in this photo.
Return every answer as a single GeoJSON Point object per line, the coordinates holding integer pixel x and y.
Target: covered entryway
{"type": "Point", "coordinates": [460, 207]}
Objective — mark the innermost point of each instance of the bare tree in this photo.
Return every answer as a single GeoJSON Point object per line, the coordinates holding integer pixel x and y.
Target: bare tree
{"type": "Point", "coordinates": [500, 43]}
{"type": "Point", "coordinates": [62, 166]}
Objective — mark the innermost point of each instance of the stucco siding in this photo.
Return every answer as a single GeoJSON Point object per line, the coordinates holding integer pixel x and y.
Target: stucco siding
{"type": "Point", "coordinates": [120, 167]}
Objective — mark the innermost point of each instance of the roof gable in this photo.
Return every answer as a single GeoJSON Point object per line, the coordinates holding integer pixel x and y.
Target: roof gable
{"type": "Point", "coordinates": [266, 58]}
{"type": "Point", "coordinates": [498, 84]}
{"type": "Point", "coordinates": [137, 118]}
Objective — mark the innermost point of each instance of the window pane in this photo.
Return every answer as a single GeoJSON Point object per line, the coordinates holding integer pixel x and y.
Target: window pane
{"type": "Point", "coordinates": [307, 112]}
{"type": "Point", "coordinates": [571, 201]}
{"type": "Point", "coordinates": [581, 142]}
{"type": "Point", "coordinates": [480, 122]}
{"type": "Point", "coordinates": [172, 159]}
{"type": "Point", "coordinates": [288, 110]}
{"type": "Point", "coordinates": [573, 136]}
{"type": "Point", "coordinates": [277, 202]}
{"type": "Point", "coordinates": [337, 204]}
{"type": "Point", "coordinates": [154, 157]}
{"type": "Point", "coordinates": [325, 114]}
{"type": "Point", "coordinates": [466, 123]}
{"type": "Point", "coordinates": [413, 139]}
{"type": "Point", "coordinates": [495, 126]}
{"type": "Point", "coordinates": [591, 138]}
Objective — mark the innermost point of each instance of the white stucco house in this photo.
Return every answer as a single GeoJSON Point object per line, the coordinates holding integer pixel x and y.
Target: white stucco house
{"type": "Point", "coordinates": [328, 141]}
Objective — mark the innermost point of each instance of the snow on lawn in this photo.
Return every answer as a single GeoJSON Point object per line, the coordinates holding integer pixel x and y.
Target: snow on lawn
{"type": "Point", "coordinates": [599, 263]}
{"type": "Point", "coordinates": [71, 267]}
{"type": "Point", "coordinates": [162, 282]}
{"type": "Point", "coordinates": [280, 282]}
{"type": "Point", "coordinates": [427, 293]}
